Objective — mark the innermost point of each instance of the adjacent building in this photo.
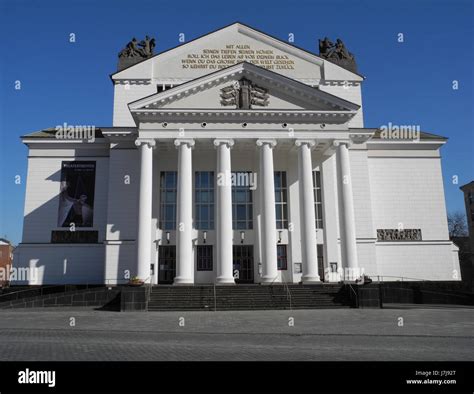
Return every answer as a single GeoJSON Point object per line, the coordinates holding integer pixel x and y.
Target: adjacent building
{"type": "Point", "coordinates": [468, 250]}
{"type": "Point", "coordinates": [6, 260]}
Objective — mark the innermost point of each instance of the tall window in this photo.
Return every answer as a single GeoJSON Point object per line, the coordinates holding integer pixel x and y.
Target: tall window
{"type": "Point", "coordinates": [204, 257]}
{"type": "Point", "coordinates": [282, 261]}
{"type": "Point", "coordinates": [242, 205]}
{"type": "Point", "coordinates": [168, 192]}
{"type": "Point", "coordinates": [204, 199]}
{"type": "Point", "coordinates": [318, 201]}
{"type": "Point", "coordinates": [281, 199]}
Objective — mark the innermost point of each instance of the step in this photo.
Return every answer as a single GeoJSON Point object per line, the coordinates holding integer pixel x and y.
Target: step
{"type": "Point", "coordinates": [247, 297]}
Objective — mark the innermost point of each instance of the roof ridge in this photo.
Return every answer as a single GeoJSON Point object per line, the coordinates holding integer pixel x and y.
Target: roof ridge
{"type": "Point", "coordinates": [225, 27]}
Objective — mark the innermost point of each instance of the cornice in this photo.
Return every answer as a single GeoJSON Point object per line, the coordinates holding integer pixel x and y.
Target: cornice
{"type": "Point", "coordinates": [229, 115]}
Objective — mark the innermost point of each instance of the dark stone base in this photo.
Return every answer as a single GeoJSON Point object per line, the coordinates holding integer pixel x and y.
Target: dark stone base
{"type": "Point", "coordinates": [368, 296]}
{"type": "Point", "coordinates": [133, 299]}
{"type": "Point", "coordinates": [70, 296]}
{"type": "Point", "coordinates": [426, 293]}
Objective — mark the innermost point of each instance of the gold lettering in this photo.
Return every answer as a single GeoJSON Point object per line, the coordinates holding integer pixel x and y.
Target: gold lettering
{"type": "Point", "coordinates": [218, 58]}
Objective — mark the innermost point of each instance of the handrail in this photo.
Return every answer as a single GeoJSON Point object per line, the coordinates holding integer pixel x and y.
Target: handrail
{"type": "Point", "coordinates": [402, 278]}
{"type": "Point", "coordinates": [43, 288]}
{"type": "Point", "coordinates": [31, 289]}
{"type": "Point", "coordinates": [147, 292]}
{"type": "Point", "coordinates": [355, 294]}
{"type": "Point", "coordinates": [274, 279]}
{"type": "Point", "coordinates": [288, 293]}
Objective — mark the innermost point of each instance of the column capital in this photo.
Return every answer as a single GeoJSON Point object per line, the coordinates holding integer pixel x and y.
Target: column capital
{"type": "Point", "coordinates": [270, 142]}
{"type": "Point", "coordinates": [227, 141]}
{"type": "Point", "coordinates": [149, 141]}
{"type": "Point", "coordinates": [337, 143]}
{"type": "Point", "coordinates": [189, 141]}
{"type": "Point", "coordinates": [310, 143]}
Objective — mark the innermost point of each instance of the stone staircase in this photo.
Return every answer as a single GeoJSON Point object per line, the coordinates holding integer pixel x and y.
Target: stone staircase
{"type": "Point", "coordinates": [248, 297]}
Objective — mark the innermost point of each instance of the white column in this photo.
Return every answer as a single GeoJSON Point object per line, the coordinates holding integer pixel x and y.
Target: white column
{"type": "Point", "coordinates": [346, 212]}
{"type": "Point", "coordinates": [267, 185]}
{"type": "Point", "coordinates": [309, 250]}
{"type": "Point", "coordinates": [144, 209]}
{"type": "Point", "coordinates": [184, 217]}
{"type": "Point", "coordinates": [224, 212]}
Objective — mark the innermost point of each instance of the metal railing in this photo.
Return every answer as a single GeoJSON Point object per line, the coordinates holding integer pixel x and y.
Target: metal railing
{"type": "Point", "coordinates": [380, 278]}
{"type": "Point", "coordinates": [356, 305]}
{"type": "Point", "coordinates": [41, 290]}
{"type": "Point", "coordinates": [44, 290]}
{"type": "Point", "coordinates": [148, 288]}
{"type": "Point", "coordinates": [288, 292]}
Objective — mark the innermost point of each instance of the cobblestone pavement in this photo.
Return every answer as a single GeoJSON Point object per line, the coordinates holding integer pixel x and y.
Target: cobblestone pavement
{"type": "Point", "coordinates": [344, 334]}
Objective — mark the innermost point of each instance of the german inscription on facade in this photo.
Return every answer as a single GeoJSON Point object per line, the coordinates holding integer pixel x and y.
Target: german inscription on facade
{"type": "Point", "coordinates": [216, 59]}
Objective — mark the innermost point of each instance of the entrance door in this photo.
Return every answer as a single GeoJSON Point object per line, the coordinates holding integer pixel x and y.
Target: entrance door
{"type": "Point", "coordinates": [166, 264]}
{"type": "Point", "coordinates": [243, 263]}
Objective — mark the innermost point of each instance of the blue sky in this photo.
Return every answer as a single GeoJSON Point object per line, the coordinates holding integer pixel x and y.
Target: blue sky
{"type": "Point", "coordinates": [407, 83]}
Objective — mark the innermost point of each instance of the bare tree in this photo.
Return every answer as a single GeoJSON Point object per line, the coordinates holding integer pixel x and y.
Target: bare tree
{"type": "Point", "coordinates": [457, 225]}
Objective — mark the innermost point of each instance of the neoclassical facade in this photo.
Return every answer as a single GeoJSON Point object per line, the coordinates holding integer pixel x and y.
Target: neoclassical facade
{"type": "Point", "coordinates": [234, 158]}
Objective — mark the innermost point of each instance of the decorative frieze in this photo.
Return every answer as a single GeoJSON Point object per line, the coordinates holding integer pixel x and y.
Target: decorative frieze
{"type": "Point", "coordinates": [399, 235]}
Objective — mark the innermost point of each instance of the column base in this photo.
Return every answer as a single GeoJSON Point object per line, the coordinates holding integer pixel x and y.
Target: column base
{"type": "Point", "coordinates": [308, 280]}
{"type": "Point", "coordinates": [183, 281]}
{"type": "Point", "coordinates": [221, 280]}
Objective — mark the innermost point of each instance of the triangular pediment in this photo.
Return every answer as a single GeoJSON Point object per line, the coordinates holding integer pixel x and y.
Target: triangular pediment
{"type": "Point", "coordinates": [231, 45]}
{"type": "Point", "coordinates": [244, 87]}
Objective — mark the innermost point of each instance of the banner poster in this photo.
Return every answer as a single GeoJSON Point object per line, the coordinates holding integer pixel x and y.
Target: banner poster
{"type": "Point", "coordinates": [76, 197]}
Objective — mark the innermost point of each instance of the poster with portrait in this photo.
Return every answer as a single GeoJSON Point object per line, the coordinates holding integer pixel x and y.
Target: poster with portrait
{"type": "Point", "coordinates": [76, 194]}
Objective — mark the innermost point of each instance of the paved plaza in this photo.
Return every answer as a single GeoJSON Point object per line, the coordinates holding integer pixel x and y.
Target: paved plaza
{"type": "Point", "coordinates": [336, 335]}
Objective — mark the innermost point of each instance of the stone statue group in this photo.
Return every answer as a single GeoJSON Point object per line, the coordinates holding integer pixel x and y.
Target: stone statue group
{"type": "Point", "coordinates": [142, 49]}
{"type": "Point", "coordinates": [337, 51]}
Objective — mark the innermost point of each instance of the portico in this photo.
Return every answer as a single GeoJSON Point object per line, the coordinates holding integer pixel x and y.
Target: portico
{"type": "Point", "coordinates": [224, 236]}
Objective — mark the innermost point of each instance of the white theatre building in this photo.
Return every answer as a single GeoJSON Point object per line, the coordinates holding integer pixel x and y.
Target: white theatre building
{"type": "Point", "coordinates": [234, 158]}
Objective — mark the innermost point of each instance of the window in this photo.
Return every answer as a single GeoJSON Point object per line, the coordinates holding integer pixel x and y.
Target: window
{"type": "Point", "coordinates": [204, 257]}
{"type": "Point", "coordinates": [204, 199]}
{"type": "Point", "coordinates": [318, 201]}
{"type": "Point", "coordinates": [281, 257]}
{"type": "Point", "coordinates": [168, 191]}
{"type": "Point", "coordinates": [281, 200]}
{"type": "Point", "coordinates": [242, 205]}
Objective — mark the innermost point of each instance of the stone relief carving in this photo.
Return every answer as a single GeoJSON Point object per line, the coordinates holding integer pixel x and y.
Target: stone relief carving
{"type": "Point", "coordinates": [243, 94]}
{"type": "Point", "coordinates": [398, 235]}
{"type": "Point", "coordinates": [337, 53]}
